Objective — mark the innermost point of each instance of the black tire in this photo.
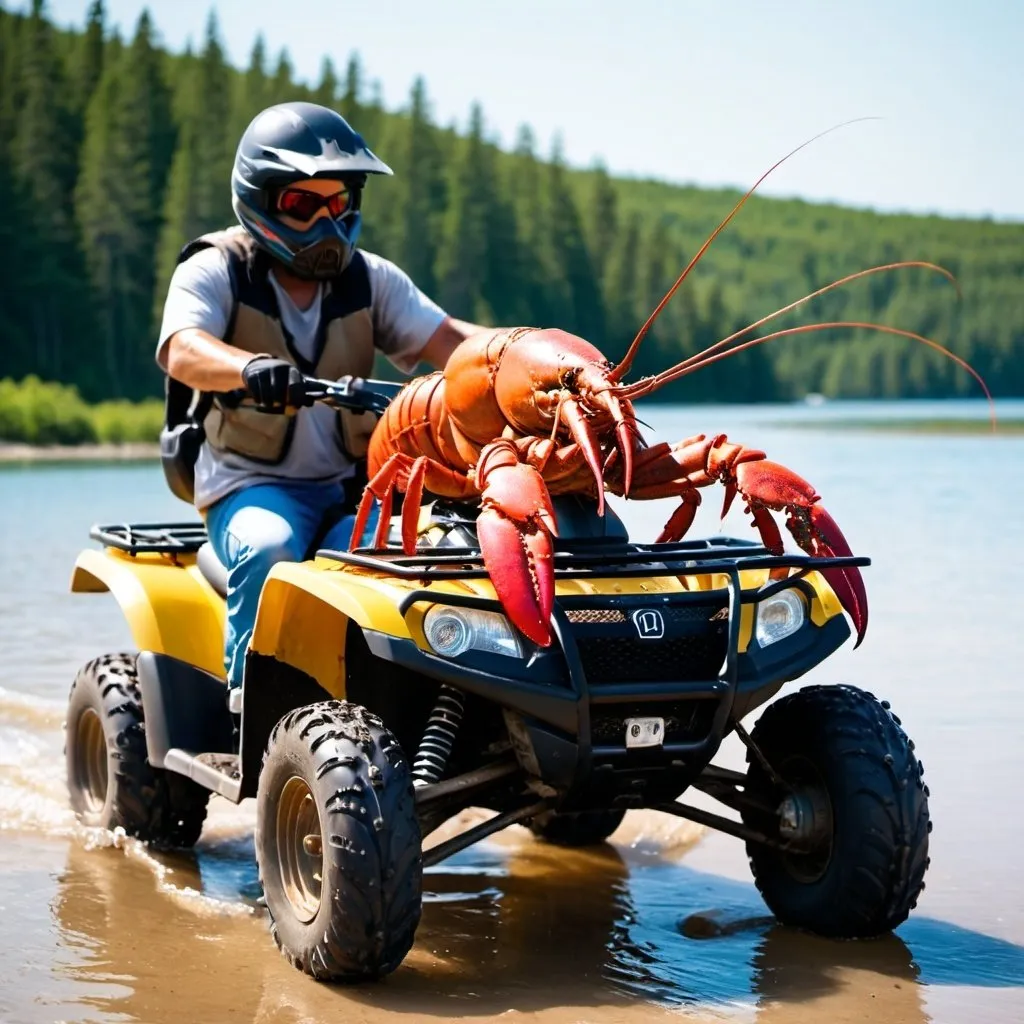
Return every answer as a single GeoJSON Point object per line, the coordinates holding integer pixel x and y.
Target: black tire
{"type": "Point", "coordinates": [334, 776]}
{"type": "Point", "coordinates": [864, 877]}
{"type": "Point", "coordinates": [579, 828]}
{"type": "Point", "coordinates": [110, 781]}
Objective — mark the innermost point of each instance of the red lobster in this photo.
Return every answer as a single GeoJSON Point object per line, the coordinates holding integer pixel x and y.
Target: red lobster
{"type": "Point", "coordinates": [520, 414]}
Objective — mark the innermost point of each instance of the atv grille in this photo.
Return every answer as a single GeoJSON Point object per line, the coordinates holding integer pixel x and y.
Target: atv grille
{"type": "Point", "coordinates": [685, 721]}
{"type": "Point", "coordinates": [595, 615]}
{"type": "Point", "coordinates": [692, 648]}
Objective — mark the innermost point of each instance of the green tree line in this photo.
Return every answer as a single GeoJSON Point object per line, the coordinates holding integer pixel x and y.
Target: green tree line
{"type": "Point", "coordinates": [114, 152]}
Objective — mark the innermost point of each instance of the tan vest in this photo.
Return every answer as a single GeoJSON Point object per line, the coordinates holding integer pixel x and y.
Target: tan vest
{"type": "Point", "coordinates": [344, 346]}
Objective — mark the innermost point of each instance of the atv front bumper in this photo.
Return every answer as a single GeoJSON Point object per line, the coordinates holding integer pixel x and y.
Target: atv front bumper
{"type": "Point", "coordinates": [567, 706]}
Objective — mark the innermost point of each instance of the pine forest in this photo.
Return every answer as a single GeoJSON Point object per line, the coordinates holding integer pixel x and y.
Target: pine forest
{"type": "Point", "coordinates": [114, 152]}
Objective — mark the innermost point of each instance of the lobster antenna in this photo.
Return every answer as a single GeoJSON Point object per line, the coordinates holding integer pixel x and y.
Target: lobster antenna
{"type": "Point", "coordinates": [618, 372]}
{"type": "Point", "coordinates": [629, 392]}
{"type": "Point", "coordinates": [655, 381]}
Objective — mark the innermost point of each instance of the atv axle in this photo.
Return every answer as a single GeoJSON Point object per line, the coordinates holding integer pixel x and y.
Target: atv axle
{"type": "Point", "coordinates": [473, 835]}
{"type": "Point", "coordinates": [720, 824]}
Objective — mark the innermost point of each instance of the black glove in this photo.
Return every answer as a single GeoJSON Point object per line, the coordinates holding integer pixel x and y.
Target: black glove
{"type": "Point", "coordinates": [275, 384]}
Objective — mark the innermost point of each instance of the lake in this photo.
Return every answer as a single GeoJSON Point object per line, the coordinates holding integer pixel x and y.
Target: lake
{"type": "Point", "coordinates": [512, 928]}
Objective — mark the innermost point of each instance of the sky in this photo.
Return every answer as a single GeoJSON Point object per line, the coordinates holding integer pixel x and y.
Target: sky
{"type": "Point", "coordinates": [710, 93]}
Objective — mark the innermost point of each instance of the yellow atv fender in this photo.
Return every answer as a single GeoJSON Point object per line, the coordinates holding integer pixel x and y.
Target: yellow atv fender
{"type": "Point", "coordinates": [172, 610]}
{"type": "Point", "coordinates": [169, 605]}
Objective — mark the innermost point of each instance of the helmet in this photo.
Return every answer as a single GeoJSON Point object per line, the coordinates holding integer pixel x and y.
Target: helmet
{"type": "Point", "coordinates": [293, 142]}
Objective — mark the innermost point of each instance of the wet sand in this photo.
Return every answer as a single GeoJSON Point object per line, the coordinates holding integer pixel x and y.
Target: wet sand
{"type": "Point", "coordinates": [520, 932]}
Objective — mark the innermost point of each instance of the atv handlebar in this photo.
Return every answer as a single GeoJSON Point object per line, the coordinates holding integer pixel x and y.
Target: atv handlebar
{"type": "Point", "coordinates": [358, 394]}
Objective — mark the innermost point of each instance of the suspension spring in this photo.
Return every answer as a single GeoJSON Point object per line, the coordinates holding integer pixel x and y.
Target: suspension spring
{"type": "Point", "coordinates": [438, 737]}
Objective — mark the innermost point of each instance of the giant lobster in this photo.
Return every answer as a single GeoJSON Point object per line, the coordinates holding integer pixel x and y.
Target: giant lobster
{"type": "Point", "coordinates": [520, 414]}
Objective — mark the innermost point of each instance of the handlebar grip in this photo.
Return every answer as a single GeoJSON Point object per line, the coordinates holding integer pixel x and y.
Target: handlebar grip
{"type": "Point", "coordinates": [232, 399]}
{"type": "Point", "coordinates": [360, 394]}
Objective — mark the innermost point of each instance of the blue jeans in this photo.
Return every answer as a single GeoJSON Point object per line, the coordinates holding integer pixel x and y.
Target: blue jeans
{"type": "Point", "coordinates": [253, 528]}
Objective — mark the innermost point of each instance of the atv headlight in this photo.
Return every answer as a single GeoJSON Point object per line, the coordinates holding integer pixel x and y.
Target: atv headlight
{"type": "Point", "coordinates": [452, 631]}
{"type": "Point", "coordinates": [779, 616]}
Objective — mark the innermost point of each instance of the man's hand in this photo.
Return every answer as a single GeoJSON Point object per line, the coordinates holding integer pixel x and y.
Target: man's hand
{"type": "Point", "coordinates": [275, 384]}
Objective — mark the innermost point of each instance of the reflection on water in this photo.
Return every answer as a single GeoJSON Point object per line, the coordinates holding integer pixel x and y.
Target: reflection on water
{"type": "Point", "coordinates": [626, 933]}
{"type": "Point", "coordinates": [516, 926]}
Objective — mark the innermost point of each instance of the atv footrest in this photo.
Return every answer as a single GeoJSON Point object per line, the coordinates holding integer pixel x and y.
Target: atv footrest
{"type": "Point", "coordinates": [220, 773]}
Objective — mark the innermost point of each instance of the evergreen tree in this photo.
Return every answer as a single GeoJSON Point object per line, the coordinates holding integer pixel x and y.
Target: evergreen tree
{"type": "Point", "coordinates": [282, 83]}
{"type": "Point", "coordinates": [89, 64]}
{"type": "Point", "coordinates": [10, 76]}
{"type": "Point", "coordinates": [129, 141]}
{"type": "Point", "coordinates": [352, 94]}
{"type": "Point", "coordinates": [252, 92]}
{"type": "Point", "coordinates": [621, 289]}
{"type": "Point", "coordinates": [461, 264]}
{"type": "Point", "coordinates": [182, 220]}
{"type": "Point", "coordinates": [581, 311]}
{"type": "Point", "coordinates": [371, 116]}
{"type": "Point", "coordinates": [22, 293]}
{"type": "Point", "coordinates": [198, 196]}
{"type": "Point", "coordinates": [326, 93]}
{"type": "Point", "coordinates": [417, 194]}
{"type": "Point", "coordinates": [213, 133]}
{"type": "Point", "coordinates": [44, 159]}
{"type": "Point", "coordinates": [523, 188]}
{"type": "Point", "coordinates": [601, 220]}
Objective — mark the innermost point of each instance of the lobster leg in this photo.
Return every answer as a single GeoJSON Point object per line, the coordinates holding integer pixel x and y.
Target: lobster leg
{"type": "Point", "coordinates": [515, 530]}
{"type": "Point", "coordinates": [404, 473]}
{"type": "Point", "coordinates": [381, 487]}
{"type": "Point", "coordinates": [663, 471]}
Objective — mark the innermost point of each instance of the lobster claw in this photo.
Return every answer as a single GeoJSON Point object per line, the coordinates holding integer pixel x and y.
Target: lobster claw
{"type": "Point", "coordinates": [847, 583]}
{"type": "Point", "coordinates": [767, 485]}
{"type": "Point", "coordinates": [515, 532]}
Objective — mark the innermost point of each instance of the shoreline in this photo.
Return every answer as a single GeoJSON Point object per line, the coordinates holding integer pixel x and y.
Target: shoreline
{"type": "Point", "coordinates": [13, 453]}
{"type": "Point", "coordinates": [16, 452]}
{"type": "Point", "coordinates": [908, 425]}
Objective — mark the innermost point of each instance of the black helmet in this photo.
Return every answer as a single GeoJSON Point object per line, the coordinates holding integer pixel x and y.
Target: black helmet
{"type": "Point", "coordinates": [291, 142]}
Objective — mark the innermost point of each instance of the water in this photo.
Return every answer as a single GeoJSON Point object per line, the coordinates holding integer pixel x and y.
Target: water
{"type": "Point", "coordinates": [103, 930]}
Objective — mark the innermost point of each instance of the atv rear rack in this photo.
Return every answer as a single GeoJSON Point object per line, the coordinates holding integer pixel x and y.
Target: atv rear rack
{"type": "Point", "coordinates": [137, 538]}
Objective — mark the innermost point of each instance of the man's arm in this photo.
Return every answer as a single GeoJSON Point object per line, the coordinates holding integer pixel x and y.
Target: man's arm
{"type": "Point", "coordinates": [202, 361]}
{"type": "Point", "coordinates": [442, 343]}
{"type": "Point", "coordinates": [197, 312]}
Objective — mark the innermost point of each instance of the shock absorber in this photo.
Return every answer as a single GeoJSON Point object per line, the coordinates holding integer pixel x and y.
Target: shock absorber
{"type": "Point", "coordinates": [438, 737]}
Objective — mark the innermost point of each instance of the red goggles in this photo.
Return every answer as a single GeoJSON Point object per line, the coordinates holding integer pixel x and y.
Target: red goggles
{"type": "Point", "coordinates": [303, 205]}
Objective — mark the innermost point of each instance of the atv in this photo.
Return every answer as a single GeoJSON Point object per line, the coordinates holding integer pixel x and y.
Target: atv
{"type": "Point", "coordinates": [385, 693]}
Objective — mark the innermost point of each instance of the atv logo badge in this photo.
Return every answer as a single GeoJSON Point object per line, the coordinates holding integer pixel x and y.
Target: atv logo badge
{"type": "Point", "coordinates": [649, 623]}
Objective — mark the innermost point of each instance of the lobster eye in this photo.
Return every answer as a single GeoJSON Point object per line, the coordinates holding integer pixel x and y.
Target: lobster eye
{"type": "Point", "coordinates": [570, 379]}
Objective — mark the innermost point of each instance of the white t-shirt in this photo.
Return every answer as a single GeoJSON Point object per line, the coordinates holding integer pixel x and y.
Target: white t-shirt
{"type": "Point", "coordinates": [200, 296]}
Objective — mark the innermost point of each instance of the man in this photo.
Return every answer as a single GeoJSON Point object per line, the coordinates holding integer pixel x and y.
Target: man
{"type": "Point", "coordinates": [255, 307]}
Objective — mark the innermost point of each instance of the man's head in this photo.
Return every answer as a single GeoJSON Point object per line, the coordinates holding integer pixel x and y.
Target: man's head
{"type": "Point", "coordinates": [297, 185]}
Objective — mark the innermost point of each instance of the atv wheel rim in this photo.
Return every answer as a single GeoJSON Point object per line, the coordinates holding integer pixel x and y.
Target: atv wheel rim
{"type": "Point", "coordinates": [808, 865]}
{"type": "Point", "coordinates": [91, 760]}
{"type": "Point", "coordinates": [299, 848]}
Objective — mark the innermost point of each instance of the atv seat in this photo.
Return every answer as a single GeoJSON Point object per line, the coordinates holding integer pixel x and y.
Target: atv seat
{"type": "Point", "coordinates": [212, 569]}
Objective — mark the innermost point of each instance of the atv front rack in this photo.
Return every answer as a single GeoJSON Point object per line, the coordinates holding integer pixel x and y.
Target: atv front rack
{"type": "Point", "coordinates": [685, 558]}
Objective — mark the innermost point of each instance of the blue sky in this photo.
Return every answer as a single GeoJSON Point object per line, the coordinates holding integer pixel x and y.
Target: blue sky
{"type": "Point", "coordinates": [705, 92]}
